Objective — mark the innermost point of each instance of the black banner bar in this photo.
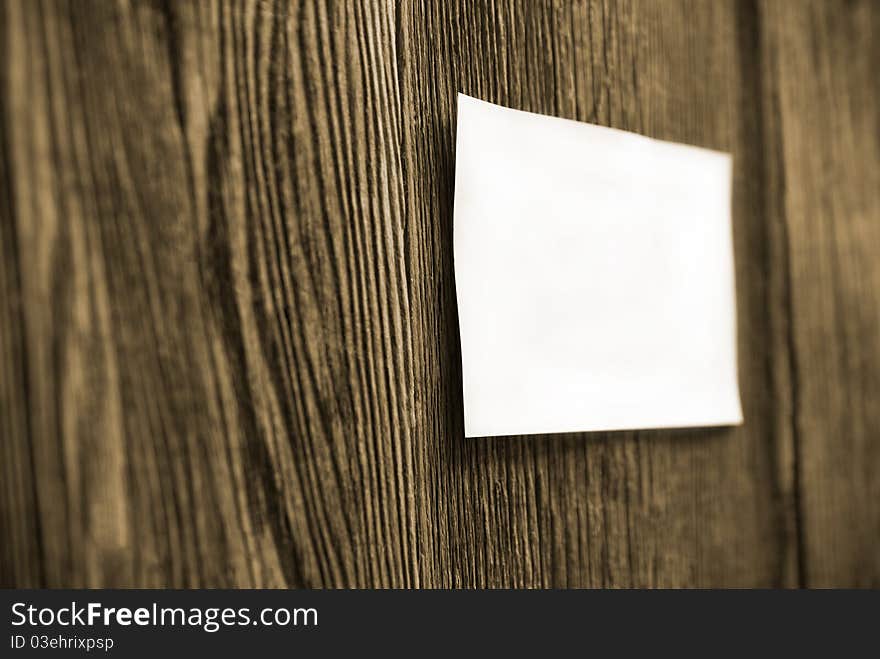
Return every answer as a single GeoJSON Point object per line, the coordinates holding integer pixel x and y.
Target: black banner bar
{"type": "Point", "coordinates": [327, 623]}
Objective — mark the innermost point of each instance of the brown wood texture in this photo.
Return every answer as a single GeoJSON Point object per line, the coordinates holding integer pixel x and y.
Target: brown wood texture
{"type": "Point", "coordinates": [227, 316]}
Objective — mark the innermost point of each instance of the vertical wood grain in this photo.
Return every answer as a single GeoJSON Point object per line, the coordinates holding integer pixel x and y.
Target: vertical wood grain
{"type": "Point", "coordinates": [21, 560]}
{"type": "Point", "coordinates": [229, 338]}
{"type": "Point", "coordinates": [822, 64]}
{"type": "Point", "coordinates": [622, 509]}
{"type": "Point", "coordinates": [208, 224]}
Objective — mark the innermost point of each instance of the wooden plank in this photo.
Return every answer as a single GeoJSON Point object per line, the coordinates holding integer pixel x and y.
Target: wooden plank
{"type": "Point", "coordinates": [821, 64]}
{"type": "Point", "coordinates": [20, 556]}
{"type": "Point", "coordinates": [624, 509]}
{"type": "Point", "coordinates": [209, 222]}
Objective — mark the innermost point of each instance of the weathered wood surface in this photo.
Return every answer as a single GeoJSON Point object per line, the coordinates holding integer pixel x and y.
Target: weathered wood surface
{"type": "Point", "coordinates": [228, 325]}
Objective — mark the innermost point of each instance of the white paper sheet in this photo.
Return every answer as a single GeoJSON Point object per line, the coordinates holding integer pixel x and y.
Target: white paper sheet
{"type": "Point", "coordinates": [594, 275]}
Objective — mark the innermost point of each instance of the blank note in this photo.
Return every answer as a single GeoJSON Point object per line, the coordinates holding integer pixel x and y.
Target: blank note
{"type": "Point", "coordinates": [594, 276]}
